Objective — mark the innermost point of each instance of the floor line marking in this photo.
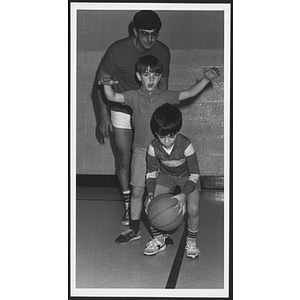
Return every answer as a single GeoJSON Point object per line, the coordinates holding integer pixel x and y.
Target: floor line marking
{"type": "Point", "coordinates": [173, 276]}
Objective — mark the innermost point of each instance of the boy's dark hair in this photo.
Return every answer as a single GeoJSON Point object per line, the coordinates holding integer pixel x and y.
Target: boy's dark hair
{"type": "Point", "coordinates": [147, 19]}
{"type": "Point", "coordinates": [149, 61]}
{"type": "Point", "coordinates": [166, 120]}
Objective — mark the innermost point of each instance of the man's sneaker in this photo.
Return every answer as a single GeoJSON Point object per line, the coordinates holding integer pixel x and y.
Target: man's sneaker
{"type": "Point", "coordinates": [154, 246]}
{"type": "Point", "coordinates": [168, 240]}
{"type": "Point", "coordinates": [191, 249]}
{"type": "Point", "coordinates": [128, 236]}
{"type": "Point", "coordinates": [125, 219]}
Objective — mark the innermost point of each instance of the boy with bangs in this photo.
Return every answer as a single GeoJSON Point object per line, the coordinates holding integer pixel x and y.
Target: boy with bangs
{"type": "Point", "coordinates": [143, 102]}
{"type": "Point", "coordinates": [172, 162]}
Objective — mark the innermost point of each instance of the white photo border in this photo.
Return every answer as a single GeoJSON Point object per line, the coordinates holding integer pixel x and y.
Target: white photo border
{"type": "Point", "coordinates": [199, 293]}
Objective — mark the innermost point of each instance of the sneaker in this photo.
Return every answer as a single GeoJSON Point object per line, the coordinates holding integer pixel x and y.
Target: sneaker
{"type": "Point", "coordinates": [168, 240]}
{"type": "Point", "coordinates": [154, 246]}
{"type": "Point", "coordinates": [128, 236]}
{"type": "Point", "coordinates": [125, 219]}
{"type": "Point", "coordinates": [191, 249]}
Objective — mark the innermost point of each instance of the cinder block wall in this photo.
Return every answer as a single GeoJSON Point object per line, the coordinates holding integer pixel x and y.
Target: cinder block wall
{"type": "Point", "coordinates": [196, 41]}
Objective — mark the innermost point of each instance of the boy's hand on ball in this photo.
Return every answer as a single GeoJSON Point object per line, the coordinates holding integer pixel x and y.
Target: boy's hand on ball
{"type": "Point", "coordinates": [148, 200]}
{"type": "Point", "coordinates": [181, 198]}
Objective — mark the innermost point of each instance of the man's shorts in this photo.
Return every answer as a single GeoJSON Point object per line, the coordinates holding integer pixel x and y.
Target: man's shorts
{"type": "Point", "coordinates": [171, 182]}
{"type": "Point", "coordinates": [121, 120]}
{"type": "Point", "coordinates": [138, 167]}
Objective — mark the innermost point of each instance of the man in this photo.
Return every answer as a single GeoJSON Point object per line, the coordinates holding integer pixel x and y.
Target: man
{"type": "Point", "coordinates": [118, 63]}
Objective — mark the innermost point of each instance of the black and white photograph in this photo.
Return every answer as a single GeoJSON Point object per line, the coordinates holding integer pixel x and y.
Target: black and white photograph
{"type": "Point", "coordinates": [150, 149]}
{"type": "Point", "coordinates": [212, 209]}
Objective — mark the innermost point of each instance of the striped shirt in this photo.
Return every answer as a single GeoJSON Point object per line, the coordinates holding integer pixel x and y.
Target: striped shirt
{"type": "Point", "coordinates": [180, 162]}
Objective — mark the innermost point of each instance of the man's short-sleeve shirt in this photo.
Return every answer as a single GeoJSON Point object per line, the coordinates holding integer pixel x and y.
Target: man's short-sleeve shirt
{"type": "Point", "coordinates": [120, 60]}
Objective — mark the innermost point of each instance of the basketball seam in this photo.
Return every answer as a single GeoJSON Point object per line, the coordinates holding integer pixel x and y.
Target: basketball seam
{"type": "Point", "coordinates": [162, 212]}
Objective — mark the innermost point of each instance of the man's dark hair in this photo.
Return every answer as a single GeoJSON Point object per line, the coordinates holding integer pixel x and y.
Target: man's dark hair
{"type": "Point", "coordinates": [166, 120]}
{"type": "Point", "coordinates": [149, 61]}
{"type": "Point", "coordinates": [147, 19]}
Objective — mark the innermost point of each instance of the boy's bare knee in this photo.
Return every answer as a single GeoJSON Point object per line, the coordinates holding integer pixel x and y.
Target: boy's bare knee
{"type": "Point", "coordinates": [193, 210]}
{"type": "Point", "coordinates": [137, 193]}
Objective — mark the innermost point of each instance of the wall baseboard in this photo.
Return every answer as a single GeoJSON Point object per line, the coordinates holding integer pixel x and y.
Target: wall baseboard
{"type": "Point", "coordinates": [207, 182]}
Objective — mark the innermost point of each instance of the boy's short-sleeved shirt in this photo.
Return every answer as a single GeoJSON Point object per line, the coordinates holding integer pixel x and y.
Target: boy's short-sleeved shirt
{"type": "Point", "coordinates": [180, 162]}
{"type": "Point", "coordinates": [143, 106]}
{"type": "Point", "coordinates": [120, 60]}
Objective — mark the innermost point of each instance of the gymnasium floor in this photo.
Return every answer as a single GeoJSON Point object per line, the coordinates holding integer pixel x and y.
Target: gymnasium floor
{"type": "Point", "coordinates": [102, 264]}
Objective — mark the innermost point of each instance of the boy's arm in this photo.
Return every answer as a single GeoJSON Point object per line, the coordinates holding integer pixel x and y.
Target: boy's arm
{"type": "Point", "coordinates": [193, 167]}
{"type": "Point", "coordinates": [194, 90]}
{"type": "Point", "coordinates": [151, 175]}
{"type": "Point", "coordinates": [110, 94]}
{"type": "Point", "coordinates": [152, 169]}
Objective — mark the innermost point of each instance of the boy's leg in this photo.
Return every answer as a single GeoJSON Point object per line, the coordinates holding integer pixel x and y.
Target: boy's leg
{"type": "Point", "coordinates": [136, 203]}
{"type": "Point", "coordinates": [138, 174]}
{"type": "Point", "coordinates": [193, 210]}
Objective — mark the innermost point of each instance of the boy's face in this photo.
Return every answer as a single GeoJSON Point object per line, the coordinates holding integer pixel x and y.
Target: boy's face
{"type": "Point", "coordinates": [145, 38]}
{"type": "Point", "coordinates": [149, 80]}
{"type": "Point", "coordinates": [167, 141]}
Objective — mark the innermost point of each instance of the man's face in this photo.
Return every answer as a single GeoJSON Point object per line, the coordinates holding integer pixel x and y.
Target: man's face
{"type": "Point", "coordinates": [145, 38]}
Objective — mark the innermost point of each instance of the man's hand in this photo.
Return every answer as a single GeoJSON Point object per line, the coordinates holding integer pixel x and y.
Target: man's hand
{"type": "Point", "coordinates": [105, 125]}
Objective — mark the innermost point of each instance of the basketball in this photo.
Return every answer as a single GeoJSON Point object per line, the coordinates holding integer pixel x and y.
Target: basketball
{"type": "Point", "coordinates": [162, 214]}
